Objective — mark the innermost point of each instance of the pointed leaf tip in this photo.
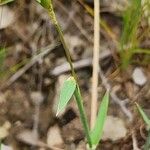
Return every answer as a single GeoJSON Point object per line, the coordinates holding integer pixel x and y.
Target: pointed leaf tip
{"type": "Point", "coordinates": [45, 3]}
{"type": "Point", "coordinates": [97, 131]}
{"type": "Point", "coordinates": [3, 2]}
{"type": "Point", "coordinates": [66, 93]}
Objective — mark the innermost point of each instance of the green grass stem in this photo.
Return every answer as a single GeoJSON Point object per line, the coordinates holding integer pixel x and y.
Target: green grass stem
{"type": "Point", "coordinates": [77, 93]}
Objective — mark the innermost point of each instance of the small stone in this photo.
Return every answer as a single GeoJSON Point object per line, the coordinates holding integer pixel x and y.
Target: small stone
{"type": "Point", "coordinates": [54, 138]}
{"type": "Point", "coordinates": [139, 77]}
{"type": "Point", "coordinates": [7, 17]}
{"type": "Point", "coordinates": [47, 81]}
{"type": "Point", "coordinates": [28, 137]}
{"type": "Point", "coordinates": [114, 129]}
{"type": "Point", "coordinates": [37, 97]}
{"type": "Point", "coordinates": [2, 98]}
{"type": "Point", "coordinates": [4, 130]}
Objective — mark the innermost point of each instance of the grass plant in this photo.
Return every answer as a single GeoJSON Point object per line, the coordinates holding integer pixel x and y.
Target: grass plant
{"type": "Point", "coordinates": [129, 45]}
{"type": "Point", "coordinates": [130, 41]}
{"type": "Point", "coordinates": [71, 88]}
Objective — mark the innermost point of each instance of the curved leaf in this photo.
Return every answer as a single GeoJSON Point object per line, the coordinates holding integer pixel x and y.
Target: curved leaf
{"type": "Point", "coordinates": [66, 93]}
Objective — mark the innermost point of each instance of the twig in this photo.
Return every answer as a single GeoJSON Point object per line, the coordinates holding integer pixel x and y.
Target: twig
{"type": "Point", "coordinates": [134, 140]}
{"type": "Point", "coordinates": [35, 59]}
{"type": "Point", "coordinates": [95, 62]}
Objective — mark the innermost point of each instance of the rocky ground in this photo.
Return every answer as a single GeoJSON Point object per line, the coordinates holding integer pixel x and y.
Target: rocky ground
{"type": "Point", "coordinates": [35, 68]}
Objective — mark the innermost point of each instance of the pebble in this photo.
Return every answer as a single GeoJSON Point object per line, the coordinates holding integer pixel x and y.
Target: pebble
{"type": "Point", "coordinates": [114, 129]}
{"type": "Point", "coordinates": [139, 77]}
{"type": "Point", "coordinates": [7, 17]}
{"type": "Point", "coordinates": [4, 130]}
{"type": "Point", "coordinates": [37, 97]}
{"type": "Point", "coordinates": [54, 138]}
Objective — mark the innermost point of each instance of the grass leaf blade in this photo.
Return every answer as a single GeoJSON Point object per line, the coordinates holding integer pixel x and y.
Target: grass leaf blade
{"type": "Point", "coordinates": [96, 133]}
{"type": "Point", "coordinates": [3, 2]}
{"type": "Point", "coordinates": [66, 93]}
{"type": "Point", "coordinates": [144, 116]}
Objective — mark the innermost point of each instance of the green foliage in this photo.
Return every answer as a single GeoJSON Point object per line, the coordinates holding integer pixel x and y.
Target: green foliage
{"type": "Point", "coordinates": [131, 19]}
{"type": "Point", "coordinates": [2, 58]}
{"type": "Point", "coordinates": [146, 10]}
{"type": "Point", "coordinates": [142, 51]}
{"type": "Point", "coordinates": [3, 2]}
{"type": "Point", "coordinates": [66, 93]}
{"type": "Point", "coordinates": [97, 131]}
{"type": "Point", "coordinates": [71, 87]}
{"type": "Point", "coordinates": [45, 3]}
{"type": "Point", "coordinates": [144, 116]}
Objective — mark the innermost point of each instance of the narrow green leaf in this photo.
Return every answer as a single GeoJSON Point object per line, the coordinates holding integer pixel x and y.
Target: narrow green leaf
{"type": "Point", "coordinates": [3, 2]}
{"type": "Point", "coordinates": [97, 131]}
{"type": "Point", "coordinates": [130, 24]}
{"type": "Point", "coordinates": [144, 116]}
{"type": "Point", "coordinates": [66, 93]}
{"type": "Point", "coordinates": [2, 57]}
{"type": "Point", "coordinates": [141, 51]}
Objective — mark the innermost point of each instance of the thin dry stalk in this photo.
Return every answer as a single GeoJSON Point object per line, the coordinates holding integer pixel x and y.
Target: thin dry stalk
{"type": "Point", "coordinates": [33, 60]}
{"type": "Point", "coordinates": [95, 62]}
{"type": "Point", "coordinates": [134, 140]}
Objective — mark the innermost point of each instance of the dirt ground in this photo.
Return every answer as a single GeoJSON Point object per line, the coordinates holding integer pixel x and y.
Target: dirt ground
{"type": "Point", "coordinates": [35, 68]}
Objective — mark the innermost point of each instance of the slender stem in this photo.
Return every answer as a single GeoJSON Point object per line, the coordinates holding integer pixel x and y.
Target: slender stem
{"type": "Point", "coordinates": [77, 93]}
{"type": "Point", "coordinates": [96, 51]}
{"type": "Point", "coordinates": [68, 56]}
{"type": "Point", "coordinates": [83, 118]}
